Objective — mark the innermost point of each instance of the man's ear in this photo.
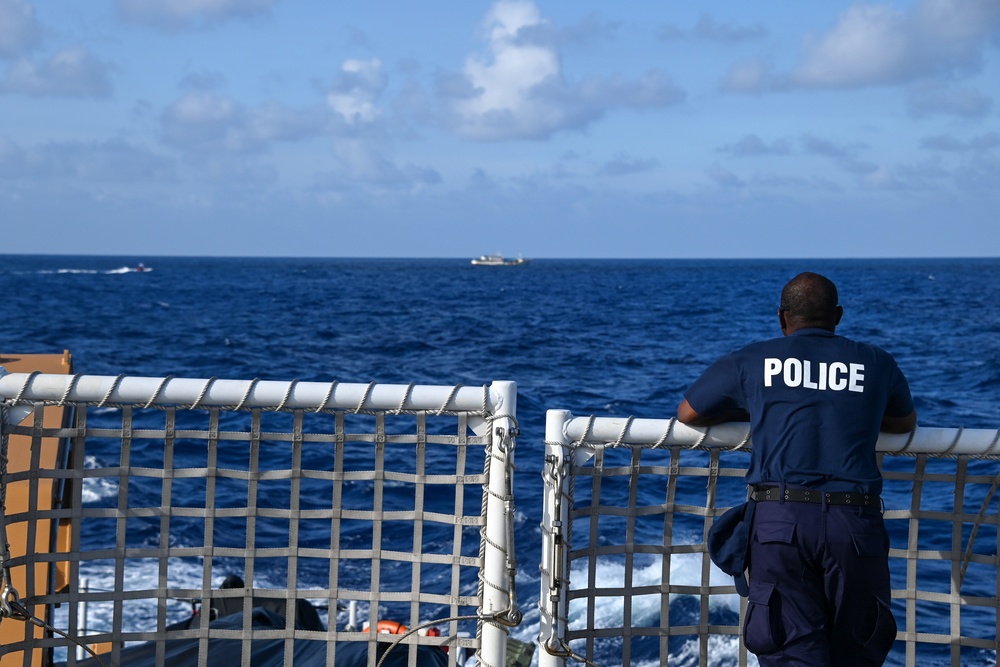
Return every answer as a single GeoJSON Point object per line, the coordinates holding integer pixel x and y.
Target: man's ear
{"type": "Point", "coordinates": [783, 321]}
{"type": "Point", "coordinates": [840, 314]}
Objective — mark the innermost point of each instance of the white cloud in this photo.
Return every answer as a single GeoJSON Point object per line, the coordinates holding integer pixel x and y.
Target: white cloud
{"type": "Point", "coordinates": [503, 83]}
{"type": "Point", "coordinates": [881, 178]}
{"type": "Point", "coordinates": [518, 90]}
{"type": "Point", "coordinates": [516, 67]}
{"type": "Point", "coordinates": [198, 118]}
{"type": "Point", "coordinates": [113, 160]}
{"type": "Point", "coordinates": [362, 163]}
{"type": "Point", "coordinates": [748, 76]}
{"type": "Point", "coordinates": [180, 14]}
{"type": "Point", "coordinates": [873, 45]}
{"type": "Point", "coordinates": [878, 44]}
{"type": "Point", "coordinates": [356, 91]}
{"type": "Point", "coordinates": [19, 29]}
{"type": "Point", "coordinates": [870, 44]}
{"type": "Point", "coordinates": [70, 72]}
{"type": "Point", "coordinates": [205, 121]}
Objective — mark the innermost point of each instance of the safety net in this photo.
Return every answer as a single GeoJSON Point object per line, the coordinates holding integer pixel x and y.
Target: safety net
{"type": "Point", "coordinates": [627, 580]}
{"type": "Point", "coordinates": [266, 523]}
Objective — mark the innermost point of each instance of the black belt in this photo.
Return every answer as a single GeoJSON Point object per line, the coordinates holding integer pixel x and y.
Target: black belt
{"type": "Point", "coordinates": [854, 498]}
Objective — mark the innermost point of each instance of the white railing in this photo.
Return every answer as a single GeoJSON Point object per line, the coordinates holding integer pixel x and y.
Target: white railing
{"type": "Point", "coordinates": [391, 477]}
{"type": "Point", "coordinates": [614, 563]}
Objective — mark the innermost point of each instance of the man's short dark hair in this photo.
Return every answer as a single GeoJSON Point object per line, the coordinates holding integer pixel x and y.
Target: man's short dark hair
{"type": "Point", "coordinates": [810, 297]}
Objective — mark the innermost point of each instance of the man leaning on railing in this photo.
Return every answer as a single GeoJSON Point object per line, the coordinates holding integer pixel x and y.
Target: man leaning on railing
{"type": "Point", "coordinates": [817, 546]}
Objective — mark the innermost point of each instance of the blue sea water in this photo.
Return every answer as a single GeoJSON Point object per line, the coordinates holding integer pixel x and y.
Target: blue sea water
{"type": "Point", "coordinates": [605, 337]}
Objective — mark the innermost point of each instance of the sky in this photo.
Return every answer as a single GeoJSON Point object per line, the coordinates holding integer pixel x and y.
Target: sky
{"type": "Point", "coordinates": [559, 129]}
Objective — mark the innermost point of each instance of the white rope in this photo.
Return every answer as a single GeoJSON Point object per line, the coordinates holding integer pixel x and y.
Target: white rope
{"type": "Point", "coordinates": [288, 394]}
{"type": "Point", "coordinates": [329, 396]}
{"type": "Point", "coordinates": [954, 443]}
{"type": "Point", "coordinates": [24, 387]}
{"type": "Point", "coordinates": [742, 443]}
{"type": "Point", "coordinates": [69, 389]}
{"type": "Point", "coordinates": [111, 390]}
{"type": "Point", "coordinates": [152, 399]}
{"type": "Point", "coordinates": [361, 403]}
{"type": "Point", "coordinates": [451, 395]}
{"type": "Point", "coordinates": [204, 391]}
{"type": "Point", "coordinates": [402, 401]}
{"type": "Point", "coordinates": [620, 440]}
{"type": "Point", "coordinates": [992, 445]}
{"type": "Point", "coordinates": [666, 433]}
{"type": "Point", "coordinates": [586, 432]}
{"type": "Point", "coordinates": [246, 395]}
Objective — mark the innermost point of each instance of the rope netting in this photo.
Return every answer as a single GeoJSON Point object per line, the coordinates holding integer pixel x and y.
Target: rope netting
{"type": "Point", "coordinates": [335, 519]}
{"type": "Point", "coordinates": [626, 577]}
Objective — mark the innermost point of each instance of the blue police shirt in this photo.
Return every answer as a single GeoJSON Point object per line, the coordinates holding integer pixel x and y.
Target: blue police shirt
{"type": "Point", "coordinates": [816, 402]}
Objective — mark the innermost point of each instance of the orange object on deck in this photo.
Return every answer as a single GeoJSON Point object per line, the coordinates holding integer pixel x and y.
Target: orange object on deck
{"type": "Point", "coordinates": [391, 628]}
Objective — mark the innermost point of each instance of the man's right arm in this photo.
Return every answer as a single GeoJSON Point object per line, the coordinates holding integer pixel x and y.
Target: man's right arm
{"type": "Point", "coordinates": [688, 415]}
{"type": "Point", "coordinates": [899, 424]}
{"type": "Point", "coordinates": [716, 393]}
{"type": "Point", "coordinates": [900, 400]}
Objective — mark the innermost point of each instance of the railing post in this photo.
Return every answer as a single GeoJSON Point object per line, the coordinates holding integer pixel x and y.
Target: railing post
{"type": "Point", "coordinates": [499, 562]}
{"type": "Point", "coordinates": [555, 520]}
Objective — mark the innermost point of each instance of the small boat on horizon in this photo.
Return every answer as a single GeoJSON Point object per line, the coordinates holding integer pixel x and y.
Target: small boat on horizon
{"type": "Point", "coordinates": [498, 260]}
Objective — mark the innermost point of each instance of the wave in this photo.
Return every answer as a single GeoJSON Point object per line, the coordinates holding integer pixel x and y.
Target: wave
{"type": "Point", "coordinates": [96, 489]}
{"type": "Point", "coordinates": [87, 272]}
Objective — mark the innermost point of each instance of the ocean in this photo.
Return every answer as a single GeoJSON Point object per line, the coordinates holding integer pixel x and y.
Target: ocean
{"type": "Point", "coordinates": [604, 337]}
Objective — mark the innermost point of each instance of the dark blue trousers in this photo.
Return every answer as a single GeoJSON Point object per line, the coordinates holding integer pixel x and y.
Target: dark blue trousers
{"type": "Point", "coordinates": [819, 586]}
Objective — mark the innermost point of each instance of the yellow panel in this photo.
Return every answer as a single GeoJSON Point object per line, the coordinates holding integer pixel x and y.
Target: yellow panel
{"type": "Point", "coordinates": [18, 496]}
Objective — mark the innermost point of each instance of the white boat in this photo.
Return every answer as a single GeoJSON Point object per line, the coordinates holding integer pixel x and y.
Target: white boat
{"type": "Point", "coordinates": [498, 260]}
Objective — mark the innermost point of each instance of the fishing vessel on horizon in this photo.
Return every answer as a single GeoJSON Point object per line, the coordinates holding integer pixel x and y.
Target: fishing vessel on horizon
{"type": "Point", "coordinates": [498, 260]}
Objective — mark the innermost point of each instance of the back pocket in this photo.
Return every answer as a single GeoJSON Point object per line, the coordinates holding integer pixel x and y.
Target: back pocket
{"type": "Point", "coordinates": [762, 631]}
{"type": "Point", "coordinates": [774, 531]}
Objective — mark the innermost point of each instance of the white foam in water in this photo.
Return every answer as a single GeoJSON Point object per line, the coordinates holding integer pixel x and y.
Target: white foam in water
{"type": "Point", "coordinates": [723, 652]}
{"type": "Point", "coordinates": [138, 614]}
{"type": "Point", "coordinates": [685, 569]}
{"type": "Point", "coordinates": [96, 488]}
{"type": "Point", "coordinates": [143, 574]}
{"type": "Point", "coordinates": [141, 614]}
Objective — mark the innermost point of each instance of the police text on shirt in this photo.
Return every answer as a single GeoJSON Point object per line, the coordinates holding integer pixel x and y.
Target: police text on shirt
{"type": "Point", "coordinates": [836, 376]}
